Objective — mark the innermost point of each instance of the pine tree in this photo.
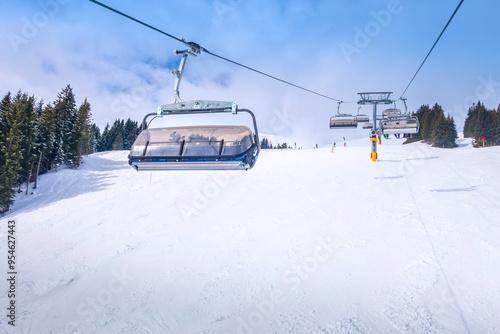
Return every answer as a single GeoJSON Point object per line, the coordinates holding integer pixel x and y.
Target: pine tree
{"type": "Point", "coordinates": [49, 144]}
{"type": "Point", "coordinates": [130, 132]}
{"type": "Point", "coordinates": [96, 137]}
{"type": "Point", "coordinates": [423, 110]}
{"type": "Point", "coordinates": [118, 144]}
{"type": "Point", "coordinates": [429, 122]}
{"type": "Point", "coordinates": [4, 106]}
{"type": "Point", "coordinates": [471, 120]}
{"type": "Point", "coordinates": [483, 122]}
{"type": "Point", "coordinates": [426, 125]}
{"type": "Point", "coordinates": [27, 118]}
{"type": "Point", "coordinates": [452, 132]}
{"type": "Point", "coordinates": [444, 132]}
{"type": "Point", "coordinates": [11, 151]}
{"type": "Point", "coordinates": [439, 130]}
{"type": "Point", "coordinates": [65, 111]}
{"type": "Point", "coordinates": [102, 144]}
{"type": "Point", "coordinates": [82, 137]}
{"type": "Point", "coordinates": [485, 126]}
{"type": "Point", "coordinates": [264, 143]}
{"type": "Point", "coordinates": [5, 186]}
{"type": "Point", "coordinates": [40, 148]}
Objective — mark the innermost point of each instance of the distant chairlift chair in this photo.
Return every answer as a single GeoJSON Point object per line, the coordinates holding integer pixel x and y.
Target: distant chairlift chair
{"type": "Point", "coordinates": [362, 118]}
{"type": "Point", "coordinates": [391, 112]}
{"type": "Point", "coordinates": [401, 124]}
{"type": "Point", "coordinates": [343, 121]}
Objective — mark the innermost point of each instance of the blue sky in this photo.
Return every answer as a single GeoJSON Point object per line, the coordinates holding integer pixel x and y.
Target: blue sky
{"type": "Point", "coordinates": [337, 48]}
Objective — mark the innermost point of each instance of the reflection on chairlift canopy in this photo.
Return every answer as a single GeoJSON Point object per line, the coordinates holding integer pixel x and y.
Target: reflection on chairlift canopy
{"type": "Point", "coordinates": [195, 147]}
{"type": "Point", "coordinates": [391, 112]}
{"type": "Point", "coordinates": [394, 125]}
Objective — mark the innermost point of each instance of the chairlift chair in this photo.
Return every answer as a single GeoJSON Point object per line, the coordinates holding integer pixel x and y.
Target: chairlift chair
{"type": "Point", "coordinates": [362, 118]}
{"type": "Point", "coordinates": [394, 125]}
{"type": "Point", "coordinates": [343, 121]}
{"type": "Point", "coordinates": [196, 147]}
{"type": "Point", "coordinates": [216, 147]}
{"type": "Point", "coordinates": [368, 126]}
{"type": "Point", "coordinates": [391, 112]}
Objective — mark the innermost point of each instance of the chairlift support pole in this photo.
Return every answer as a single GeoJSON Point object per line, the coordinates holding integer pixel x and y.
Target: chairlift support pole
{"type": "Point", "coordinates": [194, 50]}
{"type": "Point", "coordinates": [406, 107]}
{"type": "Point", "coordinates": [375, 98]}
{"type": "Point", "coordinates": [178, 76]}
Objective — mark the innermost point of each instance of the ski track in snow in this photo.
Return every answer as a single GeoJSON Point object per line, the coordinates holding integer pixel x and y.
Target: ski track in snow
{"type": "Point", "coordinates": [309, 241]}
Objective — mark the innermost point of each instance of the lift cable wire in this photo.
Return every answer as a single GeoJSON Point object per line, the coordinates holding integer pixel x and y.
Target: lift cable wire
{"type": "Point", "coordinates": [200, 48]}
{"type": "Point", "coordinates": [272, 77]}
{"type": "Point", "coordinates": [442, 32]}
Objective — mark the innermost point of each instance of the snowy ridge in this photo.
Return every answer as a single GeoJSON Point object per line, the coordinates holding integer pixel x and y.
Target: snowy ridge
{"type": "Point", "coordinates": [309, 241]}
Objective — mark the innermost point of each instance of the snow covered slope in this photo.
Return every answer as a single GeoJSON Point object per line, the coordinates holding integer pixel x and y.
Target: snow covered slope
{"type": "Point", "coordinates": [309, 241]}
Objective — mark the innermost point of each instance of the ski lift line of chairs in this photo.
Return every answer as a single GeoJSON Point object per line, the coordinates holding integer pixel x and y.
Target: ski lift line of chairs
{"type": "Point", "coordinates": [343, 121]}
{"type": "Point", "coordinates": [228, 147]}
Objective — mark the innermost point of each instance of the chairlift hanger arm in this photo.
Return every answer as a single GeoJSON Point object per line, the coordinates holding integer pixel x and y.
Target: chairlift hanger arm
{"type": "Point", "coordinates": [406, 107]}
{"type": "Point", "coordinates": [338, 107]}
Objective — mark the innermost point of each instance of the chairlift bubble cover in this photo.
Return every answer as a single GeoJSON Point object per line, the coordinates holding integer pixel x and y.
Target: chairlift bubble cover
{"type": "Point", "coordinates": [394, 125]}
{"type": "Point", "coordinates": [360, 118]}
{"type": "Point", "coordinates": [343, 121]}
{"type": "Point", "coordinates": [368, 126]}
{"type": "Point", "coordinates": [391, 112]}
{"type": "Point", "coordinates": [194, 147]}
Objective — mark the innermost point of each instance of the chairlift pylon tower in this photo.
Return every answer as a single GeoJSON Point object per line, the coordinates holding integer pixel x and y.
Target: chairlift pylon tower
{"type": "Point", "coordinates": [375, 98]}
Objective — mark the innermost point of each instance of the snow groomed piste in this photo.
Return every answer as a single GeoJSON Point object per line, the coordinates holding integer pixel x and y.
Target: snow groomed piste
{"type": "Point", "coordinates": [330, 244]}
